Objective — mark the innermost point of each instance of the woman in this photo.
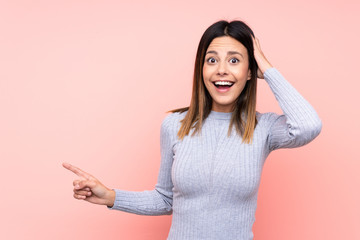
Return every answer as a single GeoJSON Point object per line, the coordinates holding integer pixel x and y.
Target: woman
{"type": "Point", "coordinates": [213, 152]}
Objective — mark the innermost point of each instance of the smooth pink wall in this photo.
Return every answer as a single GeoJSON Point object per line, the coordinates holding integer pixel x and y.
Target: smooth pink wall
{"type": "Point", "coordinates": [89, 82]}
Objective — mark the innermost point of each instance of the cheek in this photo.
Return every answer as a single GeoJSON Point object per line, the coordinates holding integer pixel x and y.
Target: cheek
{"type": "Point", "coordinates": [240, 74]}
{"type": "Point", "coordinates": [205, 76]}
{"type": "Point", "coordinates": [205, 73]}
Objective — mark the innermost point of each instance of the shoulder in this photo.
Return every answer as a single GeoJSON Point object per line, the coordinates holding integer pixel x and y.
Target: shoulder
{"type": "Point", "coordinates": [173, 118]}
{"type": "Point", "coordinates": [171, 122]}
{"type": "Point", "coordinates": [170, 126]}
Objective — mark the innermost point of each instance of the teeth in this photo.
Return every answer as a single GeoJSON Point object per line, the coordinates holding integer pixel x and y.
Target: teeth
{"type": "Point", "coordinates": [224, 83]}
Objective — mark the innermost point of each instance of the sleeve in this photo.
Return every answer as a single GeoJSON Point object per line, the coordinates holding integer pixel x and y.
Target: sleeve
{"type": "Point", "coordinates": [299, 124]}
{"type": "Point", "coordinates": [159, 200]}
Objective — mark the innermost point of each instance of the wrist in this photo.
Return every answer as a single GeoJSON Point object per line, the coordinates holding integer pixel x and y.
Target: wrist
{"type": "Point", "coordinates": [266, 67]}
{"type": "Point", "coordinates": [110, 198]}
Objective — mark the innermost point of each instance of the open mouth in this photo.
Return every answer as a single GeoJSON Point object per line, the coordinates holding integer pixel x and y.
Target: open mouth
{"type": "Point", "coordinates": [223, 86]}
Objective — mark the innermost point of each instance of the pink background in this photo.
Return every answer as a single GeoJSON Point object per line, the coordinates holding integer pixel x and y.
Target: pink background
{"type": "Point", "coordinates": [89, 82]}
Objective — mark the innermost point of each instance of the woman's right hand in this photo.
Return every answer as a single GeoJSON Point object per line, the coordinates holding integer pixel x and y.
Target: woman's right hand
{"type": "Point", "coordinates": [90, 189]}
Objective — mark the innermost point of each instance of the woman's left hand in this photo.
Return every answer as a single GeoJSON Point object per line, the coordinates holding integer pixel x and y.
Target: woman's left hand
{"type": "Point", "coordinates": [263, 63]}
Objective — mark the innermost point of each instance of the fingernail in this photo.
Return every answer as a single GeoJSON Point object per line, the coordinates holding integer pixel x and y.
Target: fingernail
{"type": "Point", "coordinates": [77, 186]}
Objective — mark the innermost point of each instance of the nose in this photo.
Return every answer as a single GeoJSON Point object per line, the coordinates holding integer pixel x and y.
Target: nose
{"type": "Point", "coordinates": [222, 68]}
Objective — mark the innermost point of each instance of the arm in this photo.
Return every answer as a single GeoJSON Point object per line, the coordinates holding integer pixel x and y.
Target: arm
{"type": "Point", "coordinates": [299, 124]}
{"type": "Point", "coordinates": [155, 202]}
{"type": "Point", "coordinates": [159, 200]}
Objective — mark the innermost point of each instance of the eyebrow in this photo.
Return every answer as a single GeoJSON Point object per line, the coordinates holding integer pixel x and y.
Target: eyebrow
{"type": "Point", "coordinates": [228, 53]}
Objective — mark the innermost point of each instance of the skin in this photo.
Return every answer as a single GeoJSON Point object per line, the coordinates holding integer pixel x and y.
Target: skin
{"type": "Point", "coordinates": [222, 63]}
{"type": "Point", "coordinates": [90, 189]}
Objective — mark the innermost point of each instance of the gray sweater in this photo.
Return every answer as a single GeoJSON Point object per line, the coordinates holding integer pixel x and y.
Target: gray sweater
{"type": "Point", "coordinates": [210, 182]}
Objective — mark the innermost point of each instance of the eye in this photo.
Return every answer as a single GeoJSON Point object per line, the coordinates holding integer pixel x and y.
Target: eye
{"type": "Point", "coordinates": [209, 60]}
{"type": "Point", "coordinates": [237, 60]}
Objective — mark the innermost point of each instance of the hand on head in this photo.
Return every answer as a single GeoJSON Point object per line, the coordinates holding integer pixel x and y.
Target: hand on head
{"type": "Point", "coordinates": [90, 189]}
{"type": "Point", "coordinates": [261, 60]}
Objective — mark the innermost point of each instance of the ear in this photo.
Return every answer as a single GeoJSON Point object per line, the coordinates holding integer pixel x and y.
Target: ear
{"type": "Point", "coordinates": [249, 75]}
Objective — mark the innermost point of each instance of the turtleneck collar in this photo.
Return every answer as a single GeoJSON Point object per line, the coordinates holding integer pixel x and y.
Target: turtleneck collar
{"type": "Point", "coordinates": [220, 115]}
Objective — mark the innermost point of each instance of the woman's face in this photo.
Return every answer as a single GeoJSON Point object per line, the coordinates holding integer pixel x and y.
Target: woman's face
{"type": "Point", "coordinates": [226, 60]}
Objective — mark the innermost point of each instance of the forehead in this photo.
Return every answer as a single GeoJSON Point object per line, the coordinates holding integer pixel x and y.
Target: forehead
{"type": "Point", "coordinates": [226, 43]}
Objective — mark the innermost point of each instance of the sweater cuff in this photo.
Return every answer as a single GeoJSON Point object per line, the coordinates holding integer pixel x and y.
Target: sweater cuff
{"type": "Point", "coordinates": [116, 202]}
{"type": "Point", "coordinates": [270, 71]}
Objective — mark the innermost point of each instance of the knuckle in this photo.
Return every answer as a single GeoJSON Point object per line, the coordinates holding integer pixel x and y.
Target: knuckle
{"type": "Point", "coordinates": [80, 184]}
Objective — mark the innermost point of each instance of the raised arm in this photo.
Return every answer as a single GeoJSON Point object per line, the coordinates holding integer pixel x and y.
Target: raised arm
{"type": "Point", "coordinates": [300, 123]}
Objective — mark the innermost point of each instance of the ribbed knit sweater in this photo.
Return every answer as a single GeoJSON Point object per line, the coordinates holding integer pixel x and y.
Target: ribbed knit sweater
{"type": "Point", "coordinates": [209, 182]}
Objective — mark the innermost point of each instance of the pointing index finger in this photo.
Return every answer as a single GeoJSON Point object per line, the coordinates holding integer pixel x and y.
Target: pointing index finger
{"type": "Point", "coordinates": [76, 170]}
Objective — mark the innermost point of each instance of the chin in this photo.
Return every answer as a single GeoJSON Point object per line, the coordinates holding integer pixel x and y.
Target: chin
{"type": "Point", "coordinates": [224, 102]}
